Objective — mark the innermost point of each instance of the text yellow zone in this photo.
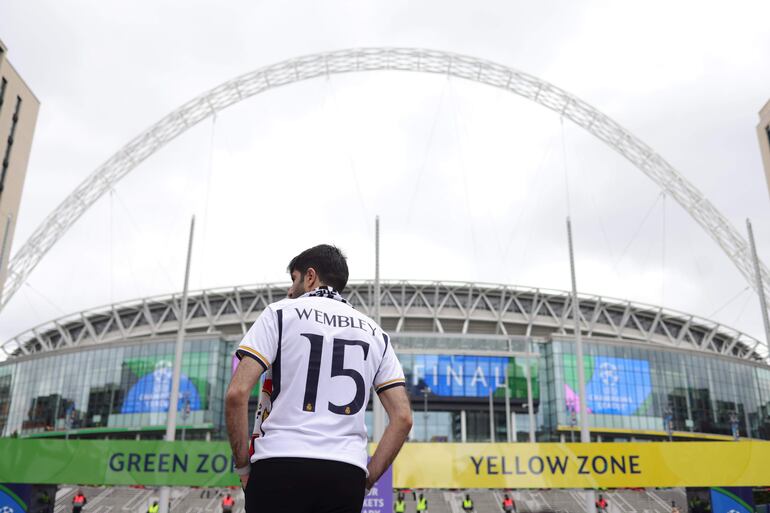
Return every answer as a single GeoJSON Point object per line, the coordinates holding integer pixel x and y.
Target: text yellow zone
{"type": "Point", "coordinates": [594, 465]}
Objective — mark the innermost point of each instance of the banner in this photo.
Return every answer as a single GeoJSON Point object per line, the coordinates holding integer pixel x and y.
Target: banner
{"type": "Point", "coordinates": [468, 375]}
{"type": "Point", "coordinates": [380, 498]}
{"type": "Point", "coordinates": [615, 386]}
{"type": "Point", "coordinates": [419, 465]}
{"type": "Point", "coordinates": [732, 500]}
{"type": "Point", "coordinates": [116, 462]}
{"type": "Point", "coordinates": [10, 502]}
{"type": "Point", "coordinates": [150, 383]}
{"type": "Point", "coordinates": [594, 465]}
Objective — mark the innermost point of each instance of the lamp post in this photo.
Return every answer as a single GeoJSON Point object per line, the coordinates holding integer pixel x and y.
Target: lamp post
{"type": "Point", "coordinates": [668, 423]}
{"type": "Point", "coordinates": [185, 413]}
{"type": "Point", "coordinates": [734, 425]}
{"type": "Point", "coordinates": [425, 392]}
{"type": "Point", "coordinates": [68, 421]}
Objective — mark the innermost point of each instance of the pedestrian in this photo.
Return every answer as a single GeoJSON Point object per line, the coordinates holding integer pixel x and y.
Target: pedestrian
{"type": "Point", "coordinates": [601, 504]}
{"type": "Point", "coordinates": [153, 507]}
{"type": "Point", "coordinates": [509, 506]}
{"type": "Point", "coordinates": [400, 505]}
{"type": "Point", "coordinates": [422, 504]}
{"type": "Point", "coordinates": [324, 357]}
{"type": "Point", "coordinates": [674, 507]}
{"type": "Point", "coordinates": [467, 503]}
{"type": "Point", "coordinates": [78, 501]}
{"type": "Point", "coordinates": [227, 504]}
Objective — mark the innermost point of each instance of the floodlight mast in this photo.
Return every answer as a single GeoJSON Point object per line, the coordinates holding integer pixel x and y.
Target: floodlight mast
{"type": "Point", "coordinates": [357, 60]}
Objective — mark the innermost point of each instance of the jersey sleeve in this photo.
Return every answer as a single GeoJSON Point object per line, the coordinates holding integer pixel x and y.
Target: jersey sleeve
{"type": "Point", "coordinates": [390, 374]}
{"type": "Point", "coordinates": [261, 341]}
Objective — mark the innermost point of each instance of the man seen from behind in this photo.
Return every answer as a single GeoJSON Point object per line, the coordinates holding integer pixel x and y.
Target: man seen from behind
{"type": "Point", "coordinates": [324, 357]}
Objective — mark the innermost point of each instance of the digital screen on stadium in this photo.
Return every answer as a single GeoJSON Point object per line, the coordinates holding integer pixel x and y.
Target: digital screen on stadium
{"type": "Point", "coordinates": [458, 375]}
{"type": "Point", "coordinates": [151, 389]}
{"type": "Point", "coordinates": [614, 386]}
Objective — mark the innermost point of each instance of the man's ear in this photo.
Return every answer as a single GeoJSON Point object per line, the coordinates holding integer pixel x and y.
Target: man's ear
{"type": "Point", "coordinates": [311, 278]}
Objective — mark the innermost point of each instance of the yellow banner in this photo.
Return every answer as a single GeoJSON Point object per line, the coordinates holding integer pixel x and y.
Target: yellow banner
{"type": "Point", "coordinates": [595, 465]}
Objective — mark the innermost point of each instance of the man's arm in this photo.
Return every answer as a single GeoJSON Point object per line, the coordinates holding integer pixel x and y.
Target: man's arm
{"type": "Point", "coordinates": [396, 404]}
{"type": "Point", "coordinates": [237, 407]}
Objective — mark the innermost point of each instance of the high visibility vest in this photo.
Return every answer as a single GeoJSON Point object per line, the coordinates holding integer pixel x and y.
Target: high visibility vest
{"type": "Point", "coordinates": [400, 506]}
{"type": "Point", "coordinates": [153, 509]}
{"type": "Point", "coordinates": [467, 503]}
{"type": "Point", "coordinates": [422, 504]}
{"type": "Point", "coordinates": [508, 503]}
{"type": "Point", "coordinates": [227, 501]}
{"type": "Point", "coordinates": [79, 500]}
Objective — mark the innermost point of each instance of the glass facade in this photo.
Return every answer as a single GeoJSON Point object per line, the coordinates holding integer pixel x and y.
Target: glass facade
{"type": "Point", "coordinates": [123, 389]}
{"type": "Point", "coordinates": [113, 389]}
{"type": "Point", "coordinates": [633, 389]}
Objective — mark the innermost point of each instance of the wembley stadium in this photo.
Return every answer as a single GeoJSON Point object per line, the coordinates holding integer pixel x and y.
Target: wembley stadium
{"type": "Point", "coordinates": [483, 362]}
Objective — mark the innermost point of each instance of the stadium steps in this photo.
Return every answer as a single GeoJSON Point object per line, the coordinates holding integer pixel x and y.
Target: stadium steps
{"type": "Point", "coordinates": [95, 496]}
{"type": "Point", "coordinates": [194, 500]}
{"type": "Point", "coordinates": [136, 500]}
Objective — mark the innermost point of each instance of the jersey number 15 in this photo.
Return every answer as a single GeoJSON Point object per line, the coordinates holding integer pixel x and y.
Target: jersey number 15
{"type": "Point", "coordinates": [338, 369]}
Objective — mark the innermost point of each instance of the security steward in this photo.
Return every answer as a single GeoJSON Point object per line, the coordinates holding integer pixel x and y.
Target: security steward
{"type": "Point", "coordinates": [467, 503]}
{"type": "Point", "coordinates": [227, 504]}
{"type": "Point", "coordinates": [78, 501]}
{"type": "Point", "coordinates": [153, 507]}
{"type": "Point", "coordinates": [400, 506]}
{"type": "Point", "coordinates": [422, 504]}
{"type": "Point", "coordinates": [508, 505]}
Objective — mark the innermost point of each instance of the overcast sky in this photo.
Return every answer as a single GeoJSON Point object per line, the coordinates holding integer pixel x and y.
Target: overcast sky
{"type": "Point", "coordinates": [469, 181]}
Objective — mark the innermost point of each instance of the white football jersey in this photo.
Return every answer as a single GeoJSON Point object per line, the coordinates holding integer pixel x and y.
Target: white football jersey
{"type": "Point", "coordinates": [324, 357]}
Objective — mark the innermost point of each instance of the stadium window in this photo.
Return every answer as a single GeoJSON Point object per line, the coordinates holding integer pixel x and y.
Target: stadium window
{"type": "Point", "coordinates": [3, 85]}
{"type": "Point", "coordinates": [6, 158]}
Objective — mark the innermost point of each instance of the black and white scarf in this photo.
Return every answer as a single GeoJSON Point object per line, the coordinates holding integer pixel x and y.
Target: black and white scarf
{"type": "Point", "coordinates": [324, 291]}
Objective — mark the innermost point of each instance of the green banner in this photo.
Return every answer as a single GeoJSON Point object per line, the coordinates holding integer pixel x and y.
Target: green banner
{"type": "Point", "coordinates": [116, 462]}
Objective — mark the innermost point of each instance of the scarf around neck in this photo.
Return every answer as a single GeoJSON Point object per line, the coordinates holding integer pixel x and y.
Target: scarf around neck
{"type": "Point", "coordinates": [324, 291]}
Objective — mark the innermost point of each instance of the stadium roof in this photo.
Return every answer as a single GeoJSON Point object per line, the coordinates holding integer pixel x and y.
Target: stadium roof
{"type": "Point", "coordinates": [406, 307]}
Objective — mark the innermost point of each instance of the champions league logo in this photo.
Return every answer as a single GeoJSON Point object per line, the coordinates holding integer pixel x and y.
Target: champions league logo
{"type": "Point", "coordinates": [152, 392]}
{"type": "Point", "coordinates": [158, 396]}
{"type": "Point", "coordinates": [608, 374]}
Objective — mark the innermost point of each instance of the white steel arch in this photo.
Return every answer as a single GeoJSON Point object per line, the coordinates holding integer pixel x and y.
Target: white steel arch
{"type": "Point", "coordinates": [376, 59]}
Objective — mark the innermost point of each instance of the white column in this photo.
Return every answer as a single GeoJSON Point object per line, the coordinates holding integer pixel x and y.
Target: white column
{"type": "Point", "coordinates": [530, 401]}
{"type": "Point", "coordinates": [507, 407]}
{"type": "Point", "coordinates": [378, 411]}
{"type": "Point", "coordinates": [491, 416]}
{"type": "Point", "coordinates": [585, 436]}
{"type": "Point", "coordinates": [165, 492]}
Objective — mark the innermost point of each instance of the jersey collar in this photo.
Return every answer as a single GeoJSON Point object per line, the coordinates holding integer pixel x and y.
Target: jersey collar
{"type": "Point", "coordinates": [324, 291]}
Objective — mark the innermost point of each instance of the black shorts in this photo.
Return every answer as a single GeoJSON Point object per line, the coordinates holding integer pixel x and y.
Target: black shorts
{"type": "Point", "coordinates": [303, 485]}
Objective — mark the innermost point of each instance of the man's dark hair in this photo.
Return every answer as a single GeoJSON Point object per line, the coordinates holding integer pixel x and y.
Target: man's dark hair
{"type": "Point", "coordinates": [329, 263]}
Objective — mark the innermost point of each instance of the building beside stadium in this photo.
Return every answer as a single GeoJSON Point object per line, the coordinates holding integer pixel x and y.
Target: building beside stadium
{"type": "Point", "coordinates": [18, 117]}
{"type": "Point", "coordinates": [472, 353]}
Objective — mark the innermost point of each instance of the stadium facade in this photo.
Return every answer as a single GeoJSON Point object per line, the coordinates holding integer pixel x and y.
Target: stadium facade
{"type": "Point", "coordinates": [471, 353]}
